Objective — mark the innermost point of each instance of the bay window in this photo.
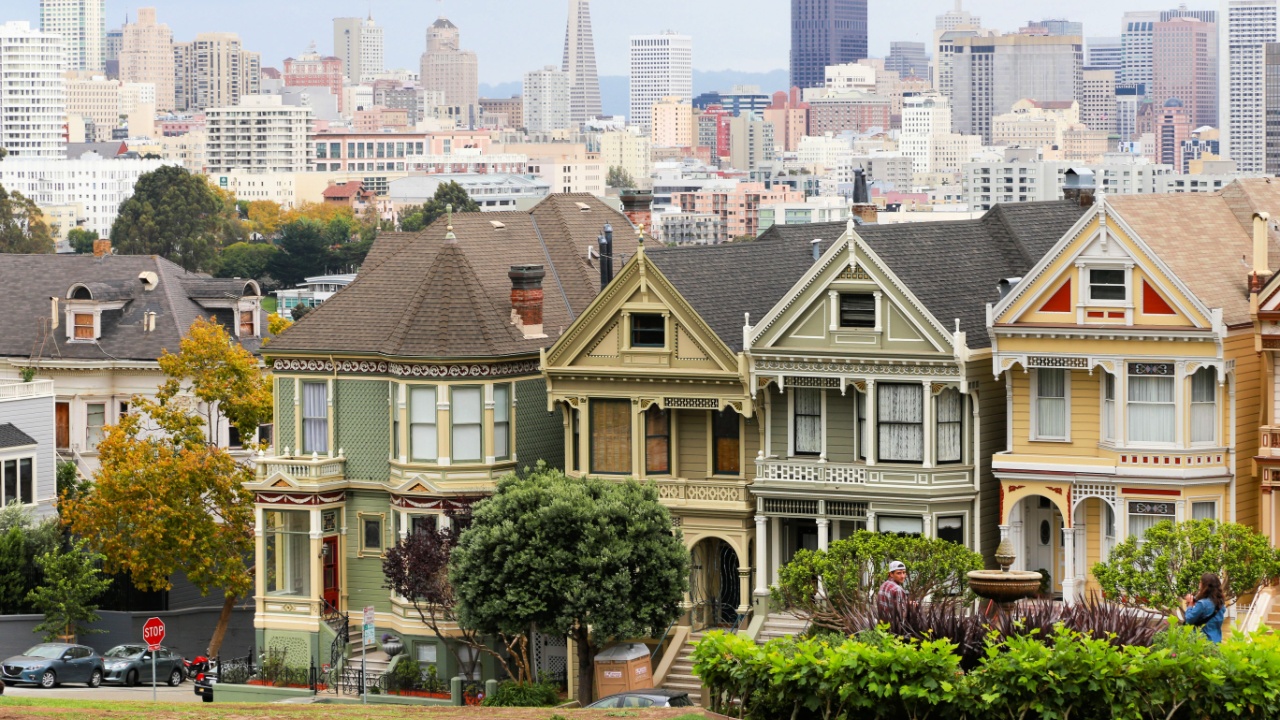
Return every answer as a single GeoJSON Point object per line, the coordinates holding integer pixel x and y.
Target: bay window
{"type": "Point", "coordinates": [1204, 510]}
{"type": "Point", "coordinates": [807, 429]}
{"type": "Point", "coordinates": [727, 439]}
{"type": "Point", "coordinates": [424, 444]}
{"type": "Point", "coordinates": [1050, 411]}
{"type": "Point", "coordinates": [900, 424]}
{"type": "Point", "coordinates": [950, 426]}
{"type": "Point", "coordinates": [657, 441]}
{"type": "Point", "coordinates": [315, 417]}
{"type": "Point", "coordinates": [287, 540]}
{"type": "Point", "coordinates": [467, 408]}
{"type": "Point", "coordinates": [611, 437]}
{"type": "Point", "coordinates": [1204, 406]}
{"type": "Point", "coordinates": [1151, 407]}
{"type": "Point", "coordinates": [502, 421]}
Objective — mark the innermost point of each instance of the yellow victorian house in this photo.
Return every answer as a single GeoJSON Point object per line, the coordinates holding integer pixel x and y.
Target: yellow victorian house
{"type": "Point", "coordinates": [1132, 379]}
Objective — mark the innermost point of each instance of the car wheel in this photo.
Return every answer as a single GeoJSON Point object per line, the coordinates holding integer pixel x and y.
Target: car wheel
{"type": "Point", "coordinates": [48, 680]}
{"type": "Point", "coordinates": [96, 678]}
{"type": "Point", "coordinates": [207, 698]}
{"type": "Point", "coordinates": [175, 678]}
{"type": "Point", "coordinates": [131, 678]}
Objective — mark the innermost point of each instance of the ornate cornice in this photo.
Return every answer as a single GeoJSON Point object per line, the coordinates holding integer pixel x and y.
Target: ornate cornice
{"type": "Point", "coordinates": [834, 367]}
{"type": "Point", "coordinates": [408, 370]}
{"type": "Point", "coordinates": [298, 498]}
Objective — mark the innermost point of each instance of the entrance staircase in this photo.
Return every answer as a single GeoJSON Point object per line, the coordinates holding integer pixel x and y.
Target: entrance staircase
{"type": "Point", "coordinates": [780, 625]}
{"type": "Point", "coordinates": [680, 676]}
{"type": "Point", "coordinates": [376, 661]}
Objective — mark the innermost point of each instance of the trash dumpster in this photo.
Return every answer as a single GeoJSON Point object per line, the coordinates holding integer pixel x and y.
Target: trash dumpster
{"type": "Point", "coordinates": [622, 668]}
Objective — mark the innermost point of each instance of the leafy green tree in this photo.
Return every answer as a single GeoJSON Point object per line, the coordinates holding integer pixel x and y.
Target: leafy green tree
{"type": "Point", "coordinates": [299, 311]}
{"type": "Point", "coordinates": [619, 178]}
{"type": "Point", "coordinates": [70, 484]}
{"type": "Point", "coordinates": [303, 250]}
{"type": "Point", "coordinates": [245, 260]}
{"type": "Point", "coordinates": [416, 218]}
{"type": "Point", "coordinates": [1157, 569]}
{"type": "Point", "coordinates": [81, 240]}
{"type": "Point", "coordinates": [13, 581]}
{"type": "Point", "coordinates": [22, 225]}
{"type": "Point", "coordinates": [22, 540]}
{"type": "Point", "coordinates": [175, 215]}
{"type": "Point", "coordinates": [587, 559]}
{"type": "Point", "coordinates": [67, 596]}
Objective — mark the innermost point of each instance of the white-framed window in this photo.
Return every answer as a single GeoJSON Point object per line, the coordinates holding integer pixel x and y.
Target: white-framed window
{"type": "Point", "coordinates": [424, 445]}
{"type": "Point", "coordinates": [950, 426]}
{"type": "Point", "coordinates": [17, 481]}
{"type": "Point", "coordinates": [807, 423]}
{"type": "Point", "coordinates": [1204, 405]}
{"type": "Point", "coordinates": [905, 524]}
{"type": "Point", "coordinates": [1107, 285]}
{"type": "Point", "coordinates": [315, 417]}
{"type": "Point", "coordinates": [1050, 409]}
{"type": "Point", "coordinates": [94, 419]}
{"type": "Point", "coordinates": [1145, 514]}
{"type": "Point", "coordinates": [1204, 510]}
{"type": "Point", "coordinates": [1108, 530]}
{"type": "Point", "coordinates": [900, 422]}
{"type": "Point", "coordinates": [502, 421]}
{"type": "Point", "coordinates": [1108, 406]}
{"type": "Point", "coordinates": [1151, 409]}
{"type": "Point", "coordinates": [860, 398]}
{"type": "Point", "coordinates": [287, 541]}
{"type": "Point", "coordinates": [467, 407]}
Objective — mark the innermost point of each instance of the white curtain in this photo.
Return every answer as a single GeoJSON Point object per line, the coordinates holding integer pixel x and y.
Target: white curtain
{"type": "Point", "coordinates": [950, 425]}
{"type": "Point", "coordinates": [901, 422]}
{"type": "Point", "coordinates": [1204, 408]}
{"type": "Point", "coordinates": [1140, 524]}
{"type": "Point", "coordinates": [1151, 409]}
{"type": "Point", "coordinates": [808, 421]}
{"type": "Point", "coordinates": [1204, 511]}
{"type": "Point", "coordinates": [423, 441]}
{"type": "Point", "coordinates": [1109, 407]}
{"type": "Point", "coordinates": [899, 524]}
{"type": "Point", "coordinates": [502, 421]}
{"type": "Point", "coordinates": [467, 424]}
{"type": "Point", "coordinates": [315, 417]}
{"type": "Point", "coordinates": [1051, 404]}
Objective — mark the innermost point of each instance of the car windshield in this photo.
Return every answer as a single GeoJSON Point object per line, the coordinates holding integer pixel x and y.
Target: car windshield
{"type": "Point", "coordinates": [46, 651]}
{"type": "Point", "coordinates": [125, 651]}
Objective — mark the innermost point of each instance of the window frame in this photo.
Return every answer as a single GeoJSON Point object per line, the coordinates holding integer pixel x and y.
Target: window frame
{"type": "Point", "coordinates": [795, 418]}
{"type": "Point", "coordinates": [938, 423]}
{"type": "Point", "coordinates": [18, 462]}
{"type": "Point", "coordinates": [362, 522]}
{"type": "Point", "coordinates": [507, 408]}
{"type": "Point", "coordinates": [716, 437]}
{"type": "Point", "coordinates": [593, 420]}
{"type": "Point", "coordinates": [964, 527]}
{"type": "Point", "coordinates": [454, 425]}
{"type": "Point", "coordinates": [1171, 378]}
{"type": "Point", "coordinates": [882, 424]}
{"type": "Point", "coordinates": [881, 517]}
{"type": "Point", "coordinates": [76, 326]}
{"type": "Point", "coordinates": [650, 436]}
{"type": "Point", "coordinates": [1192, 404]}
{"type": "Point", "coordinates": [434, 425]}
{"type": "Point", "coordinates": [1129, 514]}
{"type": "Point", "coordinates": [632, 330]}
{"type": "Point", "coordinates": [90, 442]}
{"type": "Point", "coordinates": [1036, 435]}
{"type": "Point", "coordinates": [252, 323]}
{"type": "Point", "coordinates": [1123, 285]}
{"type": "Point", "coordinates": [272, 537]}
{"type": "Point", "coordinates": [1109, 405]}
{"type": "Point", "coordinates": [860, 424]}
{"type": "Point", "coordinates": [304, 445]}
{"type": "Point", "coordinates": [840, 311]}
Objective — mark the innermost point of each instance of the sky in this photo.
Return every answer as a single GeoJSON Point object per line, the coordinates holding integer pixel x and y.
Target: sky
{"type": "Point", "coordinates": [512, 37]}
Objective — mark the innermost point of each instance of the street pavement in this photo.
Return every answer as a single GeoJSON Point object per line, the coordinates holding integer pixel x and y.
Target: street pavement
{"type": "Point", "coordinates": [183, 693]}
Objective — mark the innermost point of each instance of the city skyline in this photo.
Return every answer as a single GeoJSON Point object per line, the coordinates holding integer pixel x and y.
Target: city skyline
{"type": "Point", "coordinates": [510, 43]}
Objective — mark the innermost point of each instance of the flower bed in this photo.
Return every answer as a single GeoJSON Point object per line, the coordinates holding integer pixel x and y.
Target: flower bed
{"type": "Point", "coordinates": [320, 687]}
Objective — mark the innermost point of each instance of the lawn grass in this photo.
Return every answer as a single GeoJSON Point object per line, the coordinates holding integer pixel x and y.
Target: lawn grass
{"type": "Point", "coordinates": [269, 303]}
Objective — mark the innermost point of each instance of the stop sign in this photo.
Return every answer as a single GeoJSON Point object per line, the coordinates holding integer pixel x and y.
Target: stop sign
{"type": "Point", "coordinates": [153, 633]}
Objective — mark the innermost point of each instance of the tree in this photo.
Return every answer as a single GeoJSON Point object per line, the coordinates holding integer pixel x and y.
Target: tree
{"type": "Point", "coordinates": [619, 178]}
{"type": "Point", "coordinates": [22, 225]}
{"type": "Point", "coordinates": [245, 260]}
{"type": "Point", "coordinates": [323, 212]}
{"type": "Point", "coordinates": [587, 559]}
{"type": "Point", "coordinates": [264, 217]}
{"type": "Point", "coordinates": [22, 540]}
{"type": "Point", "coordinates": [1157, 569]}
{"type": "Point", "coordinates": [81, 240]}
{"type": "Point", "coordinates": [415, 218]}
{"type": "Point", "coordinates": [303, 251]}
{"type": "Point", "coordinates": [175, 215]}
{"type": "Point", "coordinates": [66, 597]}
{"type": "Point", "coordinates": [277, 323]}
{"type": "Point", "coordinates": [299, 311]}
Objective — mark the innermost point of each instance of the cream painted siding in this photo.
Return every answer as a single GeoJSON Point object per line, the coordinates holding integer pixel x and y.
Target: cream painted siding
{"type": "Point", "coordinates": [779, 421]}
{"type": "Point", "coordinates": [691, 426]}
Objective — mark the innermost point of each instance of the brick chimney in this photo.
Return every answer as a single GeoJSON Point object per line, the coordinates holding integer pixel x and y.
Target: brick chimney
{"type": "Point", "coordinates": [101, 246]}
{"type": "Point", "coordinates": [526, 298]}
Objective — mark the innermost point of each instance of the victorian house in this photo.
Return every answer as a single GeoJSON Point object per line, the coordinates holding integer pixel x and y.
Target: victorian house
{"type": "Point", "coordinates": [1134, 386]}
{"type": "Point", "coordinates": [400, 402]}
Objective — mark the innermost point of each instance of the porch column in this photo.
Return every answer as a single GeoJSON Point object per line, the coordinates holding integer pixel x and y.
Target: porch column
{"type": "Point", "coordinates": [404, 525]}
{"type": "Point", "coordinates": [744, 591]}
{"type": "Point", "coordinates": [824, 527]}
{"type": "Point", "coordinates": [775, 541]}
{"type": "Point", "coordinates": [926, 521]}
{"type": "Point", "coordinates": [873, 429]}
{"type": "Point", "coordinates": [1019, 547]}
{"type": "Point", "coordinates": [260, 558]}
{"type": "Point", "coordinates": [762, 557]}
{"type": "Point", "coordinates": [317, 563]}
{"type": "Point", "coordinates": [1069, 569]}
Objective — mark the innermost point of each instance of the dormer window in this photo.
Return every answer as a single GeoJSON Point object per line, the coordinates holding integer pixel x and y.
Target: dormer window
{"type": "Point", "coordinates": [246, 323]}
{"type": "Point", "coordinates": [857, 310]}
{"type": "Point", "coordinates": [83, 326]}
{"type": "Point", "coordinates": [648, 331]}
{"type": "Point", "coordinates": [1107, 285]}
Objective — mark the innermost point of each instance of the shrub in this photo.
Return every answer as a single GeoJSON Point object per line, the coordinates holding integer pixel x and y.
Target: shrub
{"type": "Point", "coordinates": [406, 675]}
{"type": "Point", "coordinates": [516, 694]}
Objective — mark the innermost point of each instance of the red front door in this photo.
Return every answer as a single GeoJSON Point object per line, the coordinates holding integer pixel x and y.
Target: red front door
{"type": "Point", "coordinates": [331, 571]}
{"type": "Point", "coordinates": [62, 424]}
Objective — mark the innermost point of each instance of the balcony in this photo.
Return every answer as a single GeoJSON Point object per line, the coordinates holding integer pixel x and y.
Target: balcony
{"type": "Point", "coordinates": [312, 469]}
{"type": "Point", "coordinates": [1269, 442]}
{"type": "Point", "coordinates": [794, 473]}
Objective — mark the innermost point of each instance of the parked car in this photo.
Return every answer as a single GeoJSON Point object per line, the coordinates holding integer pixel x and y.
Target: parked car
{"type": "Point", "coordinates": [656, 697]}
{"type": "Point", "coordinates": [130, 664]}
{"type": "Point", "coordinates": [204, 682]}
{"type": "Point", "coordinates": [50, 664]}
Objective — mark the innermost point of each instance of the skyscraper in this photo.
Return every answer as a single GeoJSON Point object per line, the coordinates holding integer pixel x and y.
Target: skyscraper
{"type": "Point", "coordinates": [1184, 62]}
{"type": "Point", "coordinates": [947, 27]}
{"type": "Point", "coordinates": [1104, 53]}
{"type": "Point", "coordinates": [83, 27]}
{"type": "Point", "coordinates": [32, 92]}
{"type": "Point", "coordinates": [661, 67]}
{"type": "Point", "coordinates": [146, 56]}
{"type": "Point", "coordinates": [993, 73]}
{"type": "Point", "coordinates": [358, 43]}
{"type": "Point", "coordinates": [580, 64]}
{"type": "Point", "coordinates": [449, 69]}
{"type": "Point", "coordinates": [1272, 118]}
{"type": "Point", "coordinates": [547, 99]}
{"type": "Point", "coordinates": [825, 32]}
{"type": "Point", "coordinates": [1136, 29]}
{"type": "Point", "coordinates": [214, 70]}
{"type": "Point", "coordinates": [1244, 29]}
{"type": "Point", "coordinates": [959, 17]}
{"type": "Point", "coordinates": [908, 59]}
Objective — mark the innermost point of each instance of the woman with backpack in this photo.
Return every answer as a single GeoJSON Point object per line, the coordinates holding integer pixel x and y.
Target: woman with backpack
{"type": "Point", "coordinates": [1207, 607]}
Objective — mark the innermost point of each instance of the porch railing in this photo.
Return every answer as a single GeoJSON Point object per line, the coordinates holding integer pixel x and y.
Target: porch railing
{"type": "Point", "coordinates": [35, 388]}
{"type": "Point", "coordinates": [818, 471]}
{"type": "Point", "coordinates": [303, 467]}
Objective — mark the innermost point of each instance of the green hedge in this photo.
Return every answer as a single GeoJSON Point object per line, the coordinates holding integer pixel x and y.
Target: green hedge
{"type": "Point", "coordinates": [1062, 676]}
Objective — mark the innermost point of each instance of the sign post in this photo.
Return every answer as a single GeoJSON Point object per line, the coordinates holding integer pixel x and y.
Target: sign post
{"type": "Point", "coordinates": [366, 638]}
{"type": "Point", "coordinates": [153, 635]}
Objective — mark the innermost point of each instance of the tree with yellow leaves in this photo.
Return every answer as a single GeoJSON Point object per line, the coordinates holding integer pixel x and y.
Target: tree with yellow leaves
{"type": "Point", "coordinates": [321, 212]}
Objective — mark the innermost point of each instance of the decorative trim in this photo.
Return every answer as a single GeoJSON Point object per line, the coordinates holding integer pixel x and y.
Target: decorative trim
{"type": "Point", "coordinates": [855, 368]}
{"type": "Point", "coordinates": [854, 273]}
{"type": "Point", "coordinates": [299, 498]}
{"type": "Point", "coordinates": [434, 370]}
{"type": "Point", "coordinates": [1057, 361]}
{"type": "Point", "coordinates": [433, 503]}
{"type": "Point", "coordinates": [691, 403]}
{"type": "Point", "coordinates": [802, 381]}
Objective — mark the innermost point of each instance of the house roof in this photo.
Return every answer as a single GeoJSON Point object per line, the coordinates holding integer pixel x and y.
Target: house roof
{"type": "Point", "coordinates": [953, 267]}
{"type": "Point", "coordinates": [27, 282]}
{"type": "Point", "coordinates": [1207, 239]}
{"type": "Point", "coordinates": [12, 437]}
{"type": "Point", "coordinates": [415, 296]}
{"type": "Point", "coordinates": [346, 190]}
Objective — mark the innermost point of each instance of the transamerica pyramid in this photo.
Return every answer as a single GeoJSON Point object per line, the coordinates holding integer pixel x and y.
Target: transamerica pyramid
{"type": "Point", "coordinates": [580, 64]}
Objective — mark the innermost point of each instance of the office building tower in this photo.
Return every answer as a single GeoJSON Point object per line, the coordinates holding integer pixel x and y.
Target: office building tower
{"type": "Point", "coordinates": [32, 92]}
{"type": "Point", "coordinates": [750, 142]}
{"type": "Point", "coordinates": [1104, 53]}
{"type": "Point", "coordinates": [1172, 128]}
{"type": "Point", "coordinates": [449, 69]}
{"type": "Point", "coordinates": [310, 69]}
{"type": "Point", "coordinates": [111, 52]}
{"type": "Point", "coordinates": [1272, 111]}
{"type": "Point", "coordinates": [1244, 29]}
{"type": "Point", "coordinates": [993, 73]}
{"type": "Point", "coordinates": [580, 63]}
{"type": "Point", "coordinates": [1052, 27]}
{"type": "Point", "coordinates": [1136, 29]}
{"type": "Point", "coordinates": [944, 73]}
{"type": "Point", "coordinates": [146, 56]}
{"type": "Point", "coordinates": [908, 59]}
{"type": "Point", "coordinates": [358, 43]}
{"type": "Point", "coordinates": [547, 100]}
{"type": "Point", "coordinates": [1129, 98]}
{"type": "Point", "coordinates": [825, 32]}
{"type": "Point", "coordinates": [260, 134]}
{"type": "Point", "coordinates": [959, 17]}
{"type": "Point", "coordinates": [1098, 100]}
{"type": "Point", "coordinates": [1208, 16]}
{"type": "Point", "coordinates": [661, 67]}
{"type": "Point", "coordinates": [83, 27]}
{"type": "Point", "coordinates": [673, 124]}
{"type": "Point", "coordinates": [214, 70]}
{"type": "Point", "coordinates": [1184, 55]}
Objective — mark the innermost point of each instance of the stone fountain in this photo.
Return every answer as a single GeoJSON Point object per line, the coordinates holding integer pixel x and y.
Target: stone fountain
{"type": "Point", "coordinates": [1004, 587]}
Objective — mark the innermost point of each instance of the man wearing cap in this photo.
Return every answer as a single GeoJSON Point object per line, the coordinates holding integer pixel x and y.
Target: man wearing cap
{"type": "Point", "coordinates": [891, 591]}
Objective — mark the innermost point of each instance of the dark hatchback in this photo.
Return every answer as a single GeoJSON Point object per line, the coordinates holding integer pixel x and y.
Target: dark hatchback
{"type": "Point", "coordinates": [656, 697]}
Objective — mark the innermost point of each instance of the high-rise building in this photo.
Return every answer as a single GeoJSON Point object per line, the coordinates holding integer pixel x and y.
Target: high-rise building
{"type": "Point", "coordinates": [1136, 29]}
{"type": "Point", "coordinates": [1208, 16]}
{"type": "Point", "coordinates": [944, 64]}
{"type": "Point", "coordinates": [580, 63]}
{"type": "Point", "coordinates": [310, 69]}
{"type": "Point", "coordinates": [750, 142]}
{"type": "Point", "coordinates": [661, 67]}
{"type": "Point", "coordinates": [449, 69]}
{"type": "Point", "coordinates": [825, 32]}
{"type": "Point", "coordinates": [1244, 29]}
{"type": "Point", "coordinates": [1052, 27]}
{"type": "Point", "coordinates": [1172, 128]}
{"type": "Point", "coordinates": [32, 92]}
{"type": "Point", "coordinates": [1129, 98]}
{"type": "Point", "coordinates": [1098, 100]}
{"type": "Point", "coordinates": [959, 17]}
{"type": "Point", "coordinates": [358, 43]}
{"type": "Point", "coordinates": [260, 134]}
{"type": "Point", "coordinates": [1184, 62]}
{"type": "Point", "coordinates": [146, 56]}
{"type": "Point", "coordinates": [214, 70]}
{"type": "Point", "coordinates": [1104, 53]}
{"type": "Point", "coordinates": [111, 52]}
{"type": "Point", "coordinates": [83, 27]}
{"type": "Point", "coordinates": [95, 103]}
{"type": "Point", "coordinates": [908, 59]}
{"type": "Point", "coordinates": [993, 73]}
{"type": "Point", "coordinates": [547, 100]}
{"type": "Point", "coordinates": [1272, 117]}
{"type": "Point", "coordinates": [673, 124]}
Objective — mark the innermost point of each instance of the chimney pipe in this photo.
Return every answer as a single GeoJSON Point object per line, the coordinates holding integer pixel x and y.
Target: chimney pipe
{"type": "Point", "coordinates": [53, 312]}
{"type": "Point", "coordinates": [606, 256]}
{"type": "Point", "coordinates": [817, 248]}
{"type": "Point", "coordinates": [526, 298]}
{"type": "Point", "coordinates": [1261, 263]}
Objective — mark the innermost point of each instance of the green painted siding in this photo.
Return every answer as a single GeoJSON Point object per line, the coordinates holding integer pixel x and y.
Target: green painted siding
{"type": "Point", "coordinates": [364, 571]}
{"type": "Point", "coordinates": [363, 428]}
{"type": "Point", "coordinates": [692, 428]}
{"type": "Point", "coordinates": [539, 434]}
{"type": "Point", "coordinates": [285, 428]}
{"type": "Point", "coordinates": [778, 421]}
{"type": "Point", "coordinates": [840, 421]}
{"type": "Point", "coordinates": [297, 646]}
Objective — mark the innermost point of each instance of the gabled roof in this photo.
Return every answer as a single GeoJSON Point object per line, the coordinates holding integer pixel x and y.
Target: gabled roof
{"type": "Point", "coordinates": [12, 437]}
{"type": "Point", "coordinates": [27, 282]}
{"type": "Point", "coordinates": [387, 310]}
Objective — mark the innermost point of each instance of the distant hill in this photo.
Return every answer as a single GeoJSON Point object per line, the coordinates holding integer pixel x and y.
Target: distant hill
{"type": "Point", "coordinates": [615, 90]}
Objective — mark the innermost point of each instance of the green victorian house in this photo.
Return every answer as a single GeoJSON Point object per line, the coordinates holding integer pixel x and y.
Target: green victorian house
{"type": "Point", "coordinates": [400, 402]}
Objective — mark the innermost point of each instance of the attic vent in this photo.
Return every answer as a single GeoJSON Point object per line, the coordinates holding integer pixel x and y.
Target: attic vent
{"type": "Point", "coordinates": [497, 224]}
{"type": "Point", "coordinates": [148, 279]}
{"type": "Point", "coordinates": [583, 207]}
